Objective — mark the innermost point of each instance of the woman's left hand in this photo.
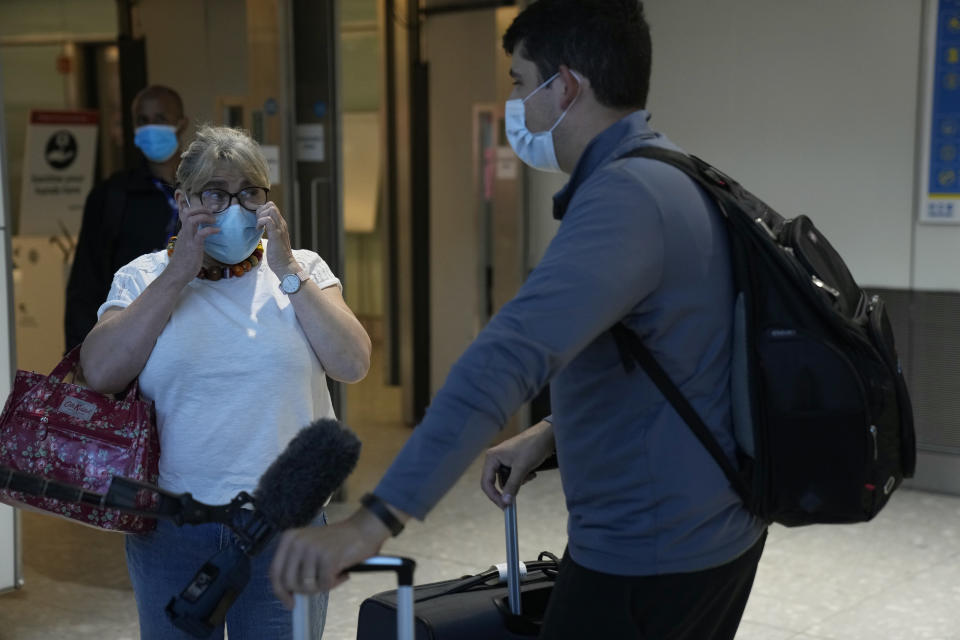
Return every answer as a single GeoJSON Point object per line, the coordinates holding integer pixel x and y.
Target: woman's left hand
{"type": "Point", "coordinates": [279, 254]}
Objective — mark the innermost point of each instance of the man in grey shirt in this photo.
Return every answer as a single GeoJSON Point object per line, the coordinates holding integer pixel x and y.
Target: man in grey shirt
{"type": "Point", "coordinates": [660, 545]}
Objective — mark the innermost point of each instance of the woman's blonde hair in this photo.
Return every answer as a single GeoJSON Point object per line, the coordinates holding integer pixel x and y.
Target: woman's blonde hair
{"type": "Point", "coordinates": [219, 147]}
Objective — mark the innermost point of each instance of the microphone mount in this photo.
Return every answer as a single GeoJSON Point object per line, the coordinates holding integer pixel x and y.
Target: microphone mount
{"type": "Point", "coordinates": [252, 529]}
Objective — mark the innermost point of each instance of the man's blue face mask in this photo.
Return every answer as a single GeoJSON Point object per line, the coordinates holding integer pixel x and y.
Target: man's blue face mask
{"type": "Point", "coordinates": [535, 149]}
{"type": "Point", "coordinates": [157, 141]}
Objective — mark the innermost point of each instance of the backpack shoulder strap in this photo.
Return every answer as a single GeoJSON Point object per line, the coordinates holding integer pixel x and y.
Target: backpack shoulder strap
{"type": "Point", "coordinates": [707, 176]}
{"type": "Point", "coordinates": [742, 209]}
{"type": "Point", "coordinates": [632, 349]}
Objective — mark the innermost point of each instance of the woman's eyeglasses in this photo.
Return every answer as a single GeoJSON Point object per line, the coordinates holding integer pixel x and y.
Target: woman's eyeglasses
{"type": "Point", "coordinates": [217, 200]}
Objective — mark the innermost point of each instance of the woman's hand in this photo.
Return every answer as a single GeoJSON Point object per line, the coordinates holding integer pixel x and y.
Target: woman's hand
{"type": "Point", "coordinates": [187, 255]}
{"type": "Point", "coordinates": [279, 254]}
{"type": "Point", "coordinates": [337, 338]}
{"type": "Point", "coordinates": [116, 350]}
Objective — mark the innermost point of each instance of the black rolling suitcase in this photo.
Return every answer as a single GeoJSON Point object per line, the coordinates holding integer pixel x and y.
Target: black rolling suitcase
{"type": "Point", "coordinates": [492, 605]}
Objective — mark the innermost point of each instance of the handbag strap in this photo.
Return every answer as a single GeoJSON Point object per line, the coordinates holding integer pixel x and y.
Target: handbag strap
{"type": "Point", "coordinates": [70, 363]}
{"type": "Point", "coordinates": [632, 349]}
{"type": "Point", "coordinates": [133, 391]}
{"type": "Point", "coordinates": [67, 365]}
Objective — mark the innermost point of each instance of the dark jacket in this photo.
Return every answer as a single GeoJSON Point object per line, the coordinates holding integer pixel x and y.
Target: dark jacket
{"type": "Point", "coordinates": [123, 218]}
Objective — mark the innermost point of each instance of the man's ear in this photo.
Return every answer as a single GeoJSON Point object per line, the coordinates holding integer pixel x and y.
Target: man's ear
{"type": "Point", "coordinates": [573, 85]}
{"type": "Point", "coordinates": [182, 124]}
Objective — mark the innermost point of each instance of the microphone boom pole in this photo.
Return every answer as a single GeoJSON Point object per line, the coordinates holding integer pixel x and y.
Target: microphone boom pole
{"type": "Point", "coordinates": [142, 499]}
{"type": "Point", "coordinates": [14, 480]}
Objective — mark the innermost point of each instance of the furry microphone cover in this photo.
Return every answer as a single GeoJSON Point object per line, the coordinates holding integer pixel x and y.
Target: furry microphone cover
{"type": "Point", "coordinates": [316, 462]}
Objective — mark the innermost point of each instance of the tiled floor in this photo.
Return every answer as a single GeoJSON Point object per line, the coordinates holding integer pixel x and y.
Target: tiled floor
{"type": "Point", "coordinates": [897, 578]}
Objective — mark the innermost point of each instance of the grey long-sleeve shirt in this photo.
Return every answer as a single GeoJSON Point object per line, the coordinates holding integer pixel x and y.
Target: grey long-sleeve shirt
{"type": "Point", "coordinates": [638, 242]}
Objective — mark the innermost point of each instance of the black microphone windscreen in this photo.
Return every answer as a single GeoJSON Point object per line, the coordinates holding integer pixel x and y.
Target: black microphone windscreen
{"type": "Point", "coordinates": [297, 484]}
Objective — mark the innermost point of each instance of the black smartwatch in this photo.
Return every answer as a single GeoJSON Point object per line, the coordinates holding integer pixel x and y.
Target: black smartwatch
{"type": "Point", "coordinates": [379, 508]}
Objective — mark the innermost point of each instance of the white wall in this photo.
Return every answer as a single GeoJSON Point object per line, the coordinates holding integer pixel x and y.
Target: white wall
{"type": "Point", "coordinates": [813, 107]}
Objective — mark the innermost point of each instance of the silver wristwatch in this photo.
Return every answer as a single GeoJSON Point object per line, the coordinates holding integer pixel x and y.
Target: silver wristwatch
{"type": "Point", "coordinates": [291, 282]}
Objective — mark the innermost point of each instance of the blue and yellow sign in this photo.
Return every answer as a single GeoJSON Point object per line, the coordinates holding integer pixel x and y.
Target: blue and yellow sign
{"type": "Point", "coordinates": [941, 201]}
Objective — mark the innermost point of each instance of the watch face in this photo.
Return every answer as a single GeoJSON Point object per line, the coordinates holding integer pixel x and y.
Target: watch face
{"type": "Point", "coordinates": [290, 283]}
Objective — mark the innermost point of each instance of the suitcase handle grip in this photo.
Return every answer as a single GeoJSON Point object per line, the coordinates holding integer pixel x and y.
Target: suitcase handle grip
{"type": "Point", "coordinates": [403, 567]}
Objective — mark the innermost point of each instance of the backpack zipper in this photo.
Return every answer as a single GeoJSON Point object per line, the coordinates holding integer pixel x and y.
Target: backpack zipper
{"type": "Point", "coordinates": [823, 285]}
{"type": "Point", "coordinates": [763, 225]}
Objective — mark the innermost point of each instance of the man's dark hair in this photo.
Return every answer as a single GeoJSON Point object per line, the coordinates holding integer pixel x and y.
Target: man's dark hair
{"type": "Point", "coordinates": [606, 40]}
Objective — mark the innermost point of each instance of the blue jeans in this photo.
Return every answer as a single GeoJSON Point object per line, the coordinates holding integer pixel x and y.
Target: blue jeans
{"type": "Point", "coordinates": [164, 561]}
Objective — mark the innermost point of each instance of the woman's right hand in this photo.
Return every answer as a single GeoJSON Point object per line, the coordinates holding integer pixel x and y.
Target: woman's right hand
{"type": "Point", "coordinates": [116, 350]}
{"type": "Point", "coordinates": [187, 255]}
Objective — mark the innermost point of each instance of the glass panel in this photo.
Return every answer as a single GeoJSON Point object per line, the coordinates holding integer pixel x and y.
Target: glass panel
{"type": "Point", "coordinates": [353, 11]}
{"type": "Point", "coordinates": [360, 55]}
{"type": "Point", "coordinates": [361, 171]}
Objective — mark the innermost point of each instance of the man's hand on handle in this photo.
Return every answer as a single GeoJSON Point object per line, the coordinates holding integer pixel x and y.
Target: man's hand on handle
{"type": "Point", "coordinates": [522, 454]}
{"type": "Point", "coordinates": [313, 559]}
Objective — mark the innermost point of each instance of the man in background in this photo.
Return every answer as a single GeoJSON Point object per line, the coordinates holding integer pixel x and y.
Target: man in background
{"type": "Point", "coordinates": [131, 213]}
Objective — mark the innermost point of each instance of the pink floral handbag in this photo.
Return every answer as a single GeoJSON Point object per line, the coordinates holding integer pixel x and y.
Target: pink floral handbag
{"type": "Point", "coordinates": [73, 435]}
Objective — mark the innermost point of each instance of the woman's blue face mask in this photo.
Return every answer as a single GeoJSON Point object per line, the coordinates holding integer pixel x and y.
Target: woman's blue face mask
{"type": "Point", "coordinates": [238, 236]}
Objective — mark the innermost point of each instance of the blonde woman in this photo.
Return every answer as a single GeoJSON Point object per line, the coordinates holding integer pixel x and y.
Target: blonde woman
{"type": "Point", "coordinates": [232, 336]}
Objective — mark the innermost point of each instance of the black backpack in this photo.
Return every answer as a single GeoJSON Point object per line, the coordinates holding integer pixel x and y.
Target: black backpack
{"type": "Point", "coordinates": [821, 412]}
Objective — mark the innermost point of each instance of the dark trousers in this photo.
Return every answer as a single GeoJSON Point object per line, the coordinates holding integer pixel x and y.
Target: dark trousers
{"type": "Point", "coordinates": [704, 605]}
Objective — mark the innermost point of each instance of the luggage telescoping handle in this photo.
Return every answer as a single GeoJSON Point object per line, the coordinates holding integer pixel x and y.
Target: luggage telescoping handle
{"type": "Point", "coordinates": [513, 558]}
{"type": "Point", "coordinates": [301, 617]}
{"type": "Point", "coordinates": [403, 567]}
{"type": "Point", "coordinates": [513, 551]}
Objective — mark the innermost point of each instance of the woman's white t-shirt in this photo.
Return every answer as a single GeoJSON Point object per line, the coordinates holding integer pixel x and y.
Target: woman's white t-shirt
{"type": "Point", "coordinates": [232, 375]}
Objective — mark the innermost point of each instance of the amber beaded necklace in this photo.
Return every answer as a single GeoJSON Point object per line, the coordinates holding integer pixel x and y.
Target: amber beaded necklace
{"type": "Point", "coordinates": [226, 271]}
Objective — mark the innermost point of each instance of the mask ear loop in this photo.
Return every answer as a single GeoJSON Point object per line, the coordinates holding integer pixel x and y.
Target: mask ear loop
{"type": "Point", "coordinates": [542, 85]}
{"type": "Point", "coordinates": [570, 106]}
